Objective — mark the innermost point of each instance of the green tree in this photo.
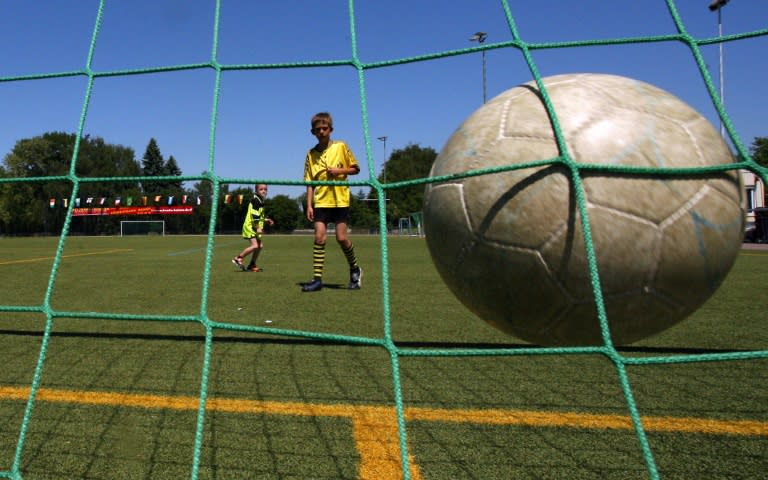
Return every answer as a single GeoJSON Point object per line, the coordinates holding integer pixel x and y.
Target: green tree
{"type": "Point", "coordinates": [231, 215]}
{"type": "Point", "coordinates": [24, 206]}
{"type": "Point", "coordinates": [152, 165]}
{"type": "Point", "coordinates": [363, 214]}
{"type": "Point", "coordinates": [203, 191]}
{"type": "Point", "coordinates": [174, 223]}
{"type": "Point", "coordinates": [284, 211]}
{"type": "Point", "coordinates": [172, 168]}
{"type": "Point", "coordinates": [759, 150]}
{"type": "Point", "coordinates": [409, 163]}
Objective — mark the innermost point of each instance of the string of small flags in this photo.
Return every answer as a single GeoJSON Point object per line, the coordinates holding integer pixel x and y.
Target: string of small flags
{"type": "Point", "coordinates": [143, 200]}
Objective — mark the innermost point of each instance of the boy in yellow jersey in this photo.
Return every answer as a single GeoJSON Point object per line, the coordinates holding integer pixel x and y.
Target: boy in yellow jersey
{"type": "Point", "coordinates": [253, 227]}
{"type": "Point", "coordinates": [330, 160]}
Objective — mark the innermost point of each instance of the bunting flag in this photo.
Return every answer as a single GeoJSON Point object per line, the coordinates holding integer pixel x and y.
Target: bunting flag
{"type": "Point", "coordinates": [146, 200]}
{"type": "Point", "coordinates": [239, 199]}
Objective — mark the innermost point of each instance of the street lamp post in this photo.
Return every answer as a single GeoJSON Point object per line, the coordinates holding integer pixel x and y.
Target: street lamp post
{"type": "Point", "coordinates": [480, 37]}
{"type": "Point", "coordinates": [384, 163]}
{"type": "Point", "coordinates": [717, 5]}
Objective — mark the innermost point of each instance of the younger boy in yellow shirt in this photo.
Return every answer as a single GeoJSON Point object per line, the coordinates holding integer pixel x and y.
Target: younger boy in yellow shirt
{"type": "Point", "coordinates": [253, 228]}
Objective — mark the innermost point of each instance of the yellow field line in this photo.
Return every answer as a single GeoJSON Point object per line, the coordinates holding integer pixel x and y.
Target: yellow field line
{"type": "Point", "coordinates": [376, 440]}
{"type": "Point", "coordinates": [32, 260]}
{"type": "Point", "coordinates": [375, 427]}
{"type": "Point", "coordinates": [587, 420]}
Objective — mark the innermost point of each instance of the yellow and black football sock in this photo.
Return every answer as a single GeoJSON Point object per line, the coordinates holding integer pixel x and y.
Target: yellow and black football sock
{"type": "Point", "coordinates": [350, 254]}
{"type": "Point", "coordinates": [318, 259]}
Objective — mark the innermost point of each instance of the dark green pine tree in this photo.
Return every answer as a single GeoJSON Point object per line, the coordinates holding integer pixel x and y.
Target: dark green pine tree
{"type": "Point", "coordinates": [172, 168]}
{"type": "Point", "coordinates": [152, 165]}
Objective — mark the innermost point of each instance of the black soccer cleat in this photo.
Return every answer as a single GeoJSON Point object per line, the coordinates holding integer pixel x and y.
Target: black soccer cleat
{"type": "Point", "coordinates": [355, 278]}
{"type": "Point", "coordinates": [313, 286]}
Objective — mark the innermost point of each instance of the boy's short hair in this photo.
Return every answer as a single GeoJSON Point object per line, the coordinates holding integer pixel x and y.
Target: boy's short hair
{"type": "Point", "coordinates": [324, 117]}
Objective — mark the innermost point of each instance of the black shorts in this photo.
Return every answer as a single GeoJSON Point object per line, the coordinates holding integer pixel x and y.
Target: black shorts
{"type": "Point", "coordinates": [332, 215]}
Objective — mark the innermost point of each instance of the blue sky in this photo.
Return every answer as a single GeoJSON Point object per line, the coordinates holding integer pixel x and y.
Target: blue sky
{"type": "Point", "coordinates": [263, 114]}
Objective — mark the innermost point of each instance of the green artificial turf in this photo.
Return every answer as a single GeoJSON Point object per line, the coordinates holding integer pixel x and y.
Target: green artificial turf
{"type": "Point", "coordinates": [128, 318]}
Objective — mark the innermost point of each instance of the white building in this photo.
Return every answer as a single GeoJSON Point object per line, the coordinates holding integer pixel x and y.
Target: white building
{"type": "Point", "coordinates": [755, 194]}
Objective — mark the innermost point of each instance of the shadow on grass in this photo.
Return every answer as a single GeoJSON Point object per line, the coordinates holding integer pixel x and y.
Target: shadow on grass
{"type": "Point", "coordinates": [332, 286]}
{"type": "Point", "coordinates": [310, 341]}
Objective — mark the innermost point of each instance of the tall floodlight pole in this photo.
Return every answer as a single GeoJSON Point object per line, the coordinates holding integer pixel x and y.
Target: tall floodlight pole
{"type": "Point", "coordinates": [384, 163]}
{"type": "Point", "coordinates": [383, 140]}
{"type": "Point", "coordinates": [717, 5]}
{"type": "Point", "coordinates": [480, 37]}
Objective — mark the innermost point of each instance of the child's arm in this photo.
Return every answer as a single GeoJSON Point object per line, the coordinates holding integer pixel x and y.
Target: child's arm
{"type": "Point", "coordinates": [310, 211]}
{"type": "Point", "coordinates": [352, 170]}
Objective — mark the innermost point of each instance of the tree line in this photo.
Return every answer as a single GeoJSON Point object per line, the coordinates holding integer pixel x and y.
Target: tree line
{"type": "Point", "coordinates": [25, 209]}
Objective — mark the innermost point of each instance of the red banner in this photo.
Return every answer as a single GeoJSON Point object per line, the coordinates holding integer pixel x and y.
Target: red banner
{"type": "Point", "coordinates": [150, 210]}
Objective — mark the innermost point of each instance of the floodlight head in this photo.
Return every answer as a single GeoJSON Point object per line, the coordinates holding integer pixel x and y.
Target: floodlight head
{"type": "Point", "coordinates": [478, 37]}
{"type": "Point", "coordinates": [717, 5]}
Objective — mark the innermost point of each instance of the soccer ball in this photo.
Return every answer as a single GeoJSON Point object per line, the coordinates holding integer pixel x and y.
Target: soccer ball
{"type": "Point", "coordinates": [510, 245]}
